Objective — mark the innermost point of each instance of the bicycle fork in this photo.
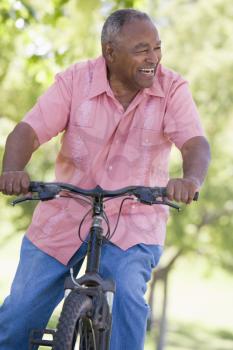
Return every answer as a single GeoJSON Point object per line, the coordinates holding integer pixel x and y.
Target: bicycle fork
{"type": "Point", "coordinates": [91, 277]}
{"type": "Point", "coordinates": [93, 285]}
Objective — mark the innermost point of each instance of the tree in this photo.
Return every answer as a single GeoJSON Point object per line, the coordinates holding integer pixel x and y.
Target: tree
{"type": "Point", "coordinates": [37, 41]}
{"type": "Point", "coordinates": [199, 46]}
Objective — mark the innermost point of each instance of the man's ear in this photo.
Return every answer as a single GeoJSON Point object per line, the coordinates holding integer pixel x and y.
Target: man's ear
{"type": "Point", "coordinates": [109, 52]}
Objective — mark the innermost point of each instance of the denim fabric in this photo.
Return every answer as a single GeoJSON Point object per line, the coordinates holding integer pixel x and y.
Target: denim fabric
{"type": "Point", "coordinates": [38, 288]}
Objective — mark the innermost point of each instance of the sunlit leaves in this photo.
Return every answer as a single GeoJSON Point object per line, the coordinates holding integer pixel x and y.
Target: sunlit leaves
{"type": "Point", "coordinates": [37, 41]}
{"type": "Point", "coordinates": [197, 40]}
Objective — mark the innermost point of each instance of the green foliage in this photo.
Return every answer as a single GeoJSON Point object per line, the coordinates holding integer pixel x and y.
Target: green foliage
{"type": "Point", "coordinates": [200, 47]}
{"type": "Point", "coordinates": [37, 41]}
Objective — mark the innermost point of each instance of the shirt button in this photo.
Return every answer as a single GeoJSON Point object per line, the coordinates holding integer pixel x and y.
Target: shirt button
{"type": "Point", "coordinates": [110, 167]}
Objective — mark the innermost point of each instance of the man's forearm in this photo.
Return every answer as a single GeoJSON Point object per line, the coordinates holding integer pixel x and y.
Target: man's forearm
{"type": "Point", "coordinates": [20, 145]}
{"type": "Point", "coordinates": [196, 158]}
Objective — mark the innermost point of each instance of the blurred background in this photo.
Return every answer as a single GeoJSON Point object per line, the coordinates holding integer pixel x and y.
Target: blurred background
{"type": "Point", "coordinates": [191, 292]}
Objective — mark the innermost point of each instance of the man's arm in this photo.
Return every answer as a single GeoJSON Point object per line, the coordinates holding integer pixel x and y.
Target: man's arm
{"type": "Point", "coordinates": [196, 157]}
{"type": "Point", "coordinates": [20, 145]}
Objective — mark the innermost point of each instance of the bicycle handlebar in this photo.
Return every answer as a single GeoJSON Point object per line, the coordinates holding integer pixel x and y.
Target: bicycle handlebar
{"type": "Point", "coordinates": [147, 195]}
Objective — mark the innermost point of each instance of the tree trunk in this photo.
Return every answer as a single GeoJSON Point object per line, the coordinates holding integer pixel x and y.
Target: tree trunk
{"type": "Point", "coordinates": [161, 274]}
{"type": "Point", "coordinates": [163, 319]}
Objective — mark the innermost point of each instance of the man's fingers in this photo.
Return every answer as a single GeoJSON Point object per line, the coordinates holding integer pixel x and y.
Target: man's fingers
{"type": "Point", "coordinates": [14, 182]}
{"type": "Point", "coordinates": [177, 191]}
{"type": "Point", "coordinates": [25, 184]}
{"type": "Point", "coordinates": [17, 186]}
{"type": "Point", "coordinates": [9, 187]}
{"type": "Point", "coordinates": [185, 195]}
{"type": "Point", "coordinates": [181, 190]}
{"type": "Point", "coordinates": [170, 191]}
{"type": "Point", "coordinates": [174, 190]}
{"type": "Point", "coordinates": [191, 196]}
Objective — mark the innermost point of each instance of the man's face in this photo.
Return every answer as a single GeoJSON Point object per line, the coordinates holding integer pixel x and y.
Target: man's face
{"type": "Point", "coordinates": [136, 55]}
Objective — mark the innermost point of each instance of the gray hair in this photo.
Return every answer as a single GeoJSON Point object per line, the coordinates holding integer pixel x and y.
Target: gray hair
{"type": "Point", "coordinates": [115, 22]}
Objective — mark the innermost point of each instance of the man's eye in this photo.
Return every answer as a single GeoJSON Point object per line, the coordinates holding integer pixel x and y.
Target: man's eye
{"type": "Point", "coordinates": [142, 51]}
{"type": "Point", "coordinates": [157, 48]}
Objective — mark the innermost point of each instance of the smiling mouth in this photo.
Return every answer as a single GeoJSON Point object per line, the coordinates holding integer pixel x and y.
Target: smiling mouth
{"type": "Point", "coordinates": [149, 72]}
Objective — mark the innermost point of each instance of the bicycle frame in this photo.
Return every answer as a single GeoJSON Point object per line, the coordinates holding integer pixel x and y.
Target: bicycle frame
{"type": "Point", "coordinates": [91, 277]}
{"type": "Point", "coordinates": [100, 292]}
{"type": "Point", "coordinates": [90, 283]}
{"type": "Point", "coordinates": [95, 286]}
{"type": "Point", "coordinates": [96, 237]}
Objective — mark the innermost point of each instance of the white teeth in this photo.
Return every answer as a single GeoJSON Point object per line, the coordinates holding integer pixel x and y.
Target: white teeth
{"type": "Point", "coordinates": [147, 70]}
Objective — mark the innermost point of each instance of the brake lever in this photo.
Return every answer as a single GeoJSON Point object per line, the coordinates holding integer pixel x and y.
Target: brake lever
{"type": "Point", "coordinates": [41, 196]}
{"type": "Point", "coordinates": [150, 200]}
{"type": "Point", "coordinates": [171, 204]}
{"type": "Point", "coordinates": [23, 199]}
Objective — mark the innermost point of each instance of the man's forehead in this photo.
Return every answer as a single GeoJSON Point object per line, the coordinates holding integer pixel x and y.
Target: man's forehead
{"type": "Point", "coordinates": [136, 29]}
{"type": "Point", "coordinates": [139, 38]}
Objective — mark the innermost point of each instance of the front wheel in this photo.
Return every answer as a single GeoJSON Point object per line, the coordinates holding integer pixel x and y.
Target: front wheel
{"type": "Point", "coordinates": [74, 329]}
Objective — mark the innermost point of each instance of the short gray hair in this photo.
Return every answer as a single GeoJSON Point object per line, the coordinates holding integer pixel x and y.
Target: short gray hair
{"type": "Point", "coordinates": [116, 20]}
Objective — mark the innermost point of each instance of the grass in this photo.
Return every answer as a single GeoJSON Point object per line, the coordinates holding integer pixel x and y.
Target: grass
{"type": "Point", "coordinates": [187, 336]}
{"type": "Point", "coordinates": [192, 336]}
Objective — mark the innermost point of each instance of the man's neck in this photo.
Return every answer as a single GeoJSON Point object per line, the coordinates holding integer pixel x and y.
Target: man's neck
{"type": "Point", "coordinates": [122, 93]}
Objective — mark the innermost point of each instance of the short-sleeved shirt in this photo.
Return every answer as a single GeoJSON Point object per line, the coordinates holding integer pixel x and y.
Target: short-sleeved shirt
{"type": "Point", "coordinates": [105, 145]}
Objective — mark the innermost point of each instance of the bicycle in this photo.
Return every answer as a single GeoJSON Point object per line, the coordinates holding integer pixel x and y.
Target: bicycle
{"type": "Point", "coordinates": [85, 319]}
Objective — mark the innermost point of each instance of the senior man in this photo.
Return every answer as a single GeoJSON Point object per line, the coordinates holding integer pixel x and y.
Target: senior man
{"type": "Point", "coordinates": [120, 114]}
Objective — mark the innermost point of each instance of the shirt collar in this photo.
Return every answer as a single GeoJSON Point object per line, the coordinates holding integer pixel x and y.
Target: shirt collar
{"type": "Point", "coordinates": [100, 84]}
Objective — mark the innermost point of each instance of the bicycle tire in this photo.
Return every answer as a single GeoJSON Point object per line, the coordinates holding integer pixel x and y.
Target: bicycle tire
{"type": "Point", "coordinates": [74, 329]}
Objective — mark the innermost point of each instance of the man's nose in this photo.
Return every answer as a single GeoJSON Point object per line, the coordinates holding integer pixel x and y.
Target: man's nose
{"type": "Point", "coordinates": [152, 57]}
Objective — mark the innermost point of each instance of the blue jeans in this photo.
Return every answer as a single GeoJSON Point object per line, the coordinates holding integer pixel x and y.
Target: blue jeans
{"type": "Point", "coordinates": [38, 288]}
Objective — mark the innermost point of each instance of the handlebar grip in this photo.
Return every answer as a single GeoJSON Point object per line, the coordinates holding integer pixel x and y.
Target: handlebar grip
{"type": "Point", "coordinates": [35, 186]}
{"type": "Point", "coordinates": [164, 193]}
{"type": "Point", "coordinates": [45, 191]}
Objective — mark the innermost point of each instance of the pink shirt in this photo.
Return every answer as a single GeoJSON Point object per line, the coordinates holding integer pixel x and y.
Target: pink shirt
{"type": "Point", "coordinates": [105, 145]}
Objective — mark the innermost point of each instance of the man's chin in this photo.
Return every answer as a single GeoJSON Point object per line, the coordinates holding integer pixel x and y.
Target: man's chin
{"type": "Point", "coordinates": [146, 85]}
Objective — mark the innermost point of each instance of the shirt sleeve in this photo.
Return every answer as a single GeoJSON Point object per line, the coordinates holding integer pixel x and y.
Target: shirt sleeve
{"type": "Point", "coordinates": [181, 121]}
{"type": "Point", "coordinates": [50, 114]}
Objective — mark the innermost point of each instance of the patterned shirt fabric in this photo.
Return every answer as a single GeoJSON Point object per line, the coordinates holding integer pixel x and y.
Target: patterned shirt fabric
{"type": "Point", "coordinates": [103, 144]}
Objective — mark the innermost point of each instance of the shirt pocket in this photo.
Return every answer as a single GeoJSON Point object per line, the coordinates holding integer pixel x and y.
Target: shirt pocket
{"type": "Point", "coordinates": [84, 114]}
{"type": "Point", "coordinates": [150, 138]}
{"type": "Point", "coordinates": [75, 142]}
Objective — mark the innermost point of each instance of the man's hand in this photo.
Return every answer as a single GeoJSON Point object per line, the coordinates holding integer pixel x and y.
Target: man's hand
{"type": "Point", "coordinates": [14, 182]}
{"type": "Point", "coordinates": [182, 190]}
{"type": "Point", "coordinates": [196, 157]}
